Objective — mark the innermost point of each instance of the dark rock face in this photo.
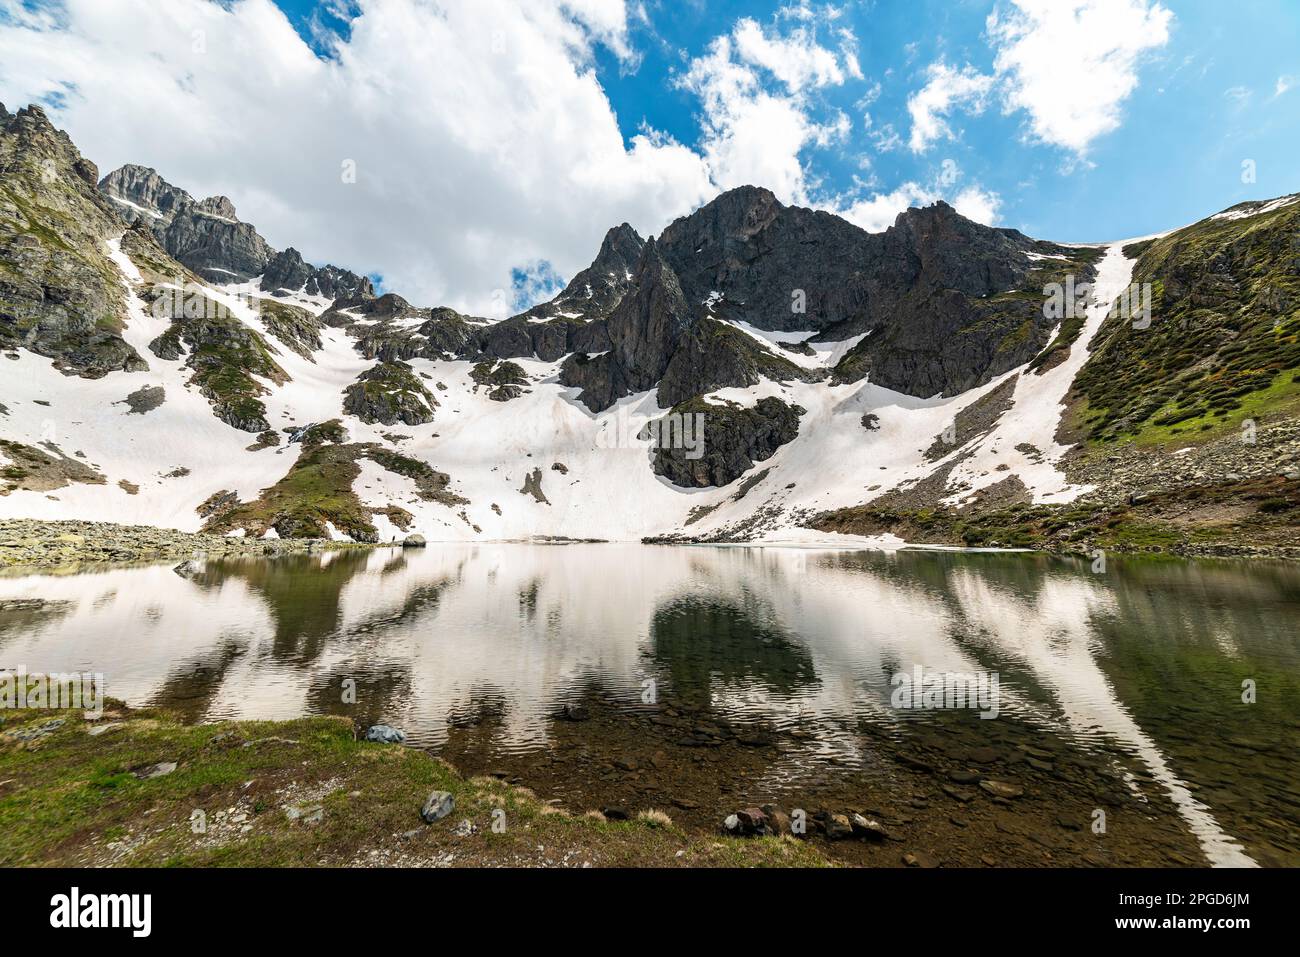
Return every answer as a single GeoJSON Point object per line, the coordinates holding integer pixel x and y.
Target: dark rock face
{"type": "Point", "coordinates": [657, 338]}
{"type": "Point", "coordinates": [734, 439]}
{"type": "Point", "coordinates": [205, 236]}
{"type": "Point", "coordinates": [60, 295]}
{"type": "Point", "coordinates": [389, 393]}
{"type": "Point", "coordinates": [949, 302]}
{"type": "Point", "coordinates": [757, 252]}
{"type": "Point", "coordinates": [598, 289]}
{"type": "Point", "coordinates": [286, 271]}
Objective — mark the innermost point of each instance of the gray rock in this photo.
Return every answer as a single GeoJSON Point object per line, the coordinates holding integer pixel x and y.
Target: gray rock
{"type": "Point", "coordinates": [310, 814]}
{"type": "Point", "coordinates": [158, 770]}
{"type": "Point", "coordinates": [385, 734]}
{"type": "Point", "coordinates": [188, 568]}
{"type": "Point", "coordinates": [414, 541]}
{"type": "Point", "coordinates": [35, 733]}
{"type": "Point", "coordinates": [868, 828]}
{"type": "Point", "coordinates": [437, 806]}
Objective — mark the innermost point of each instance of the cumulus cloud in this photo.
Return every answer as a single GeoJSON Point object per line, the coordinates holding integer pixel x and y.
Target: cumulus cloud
{"type": "Point", "coordinates": [482, 140]}
{"type": "Point", "coordinates": [945, 88]}
{"type": "Point", "coordinates": [758, 115]}
{"type": "Point", "coordinates": [878, 211]}
{"type": "Point", "coordinates": [1071, 64]}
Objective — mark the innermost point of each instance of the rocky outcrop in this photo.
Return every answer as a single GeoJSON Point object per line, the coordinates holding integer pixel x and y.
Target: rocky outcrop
{"type": "Point", "coordinates": [656, 338]}
{"type": "Point", "coordinates": [60, 295]}
{"type": "Point", "coordinates": [228, 359]}
{"type": "Point", "coordinates": [207, 237]}
{"type": "Point", "coordinates": [596, 291]}
{"type": "Point", "coordinates": [503, 380]}
{"type": "Point", "coordinates": [389, 393]}
{"type": "Point", "coordinates": [294, 327]}
{"type": "Point", "coordinates": [286, 272]}
{"type": "Point", "coordinates": [733, 439]}
{"type": "Point", "coordinates": [317, 492]}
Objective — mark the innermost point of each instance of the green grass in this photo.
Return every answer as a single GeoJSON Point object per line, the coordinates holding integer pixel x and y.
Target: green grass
{"type": "Point", "coordinates": [1224, 340]}
{"type": "Point", "coordinates": [66, 797]}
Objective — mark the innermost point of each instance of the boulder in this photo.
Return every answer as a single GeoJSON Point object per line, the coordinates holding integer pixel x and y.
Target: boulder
{"type": "Point", "coordinates": [384, 734]}
{"type": "Point", "coordinates": [437, 806]}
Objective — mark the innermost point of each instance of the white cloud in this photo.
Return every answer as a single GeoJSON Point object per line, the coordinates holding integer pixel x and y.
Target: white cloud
{"type": "Point", "coordinates": [1071, 64]}
{"type": "Point", "coordinates": [979, 204]}
{"type": "Point", "coordinates": [796, 60]}
{"type": "Point", "coordinates": [482, 137]}
{"type": "Point", "coordinates": [1284, 83]}
{"type": "Point", "coordinates": [945, 88]}
{"type": "Point", "coordinates": [758, 117]}
{"type": "Point", "coordinates": [878, 211]}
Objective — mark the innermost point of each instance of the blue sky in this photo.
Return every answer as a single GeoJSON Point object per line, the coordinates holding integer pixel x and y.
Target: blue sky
{"type": "Point", "coordinates": [1205, 103]}
{"type": "Point", "coordinates": [498, 139]}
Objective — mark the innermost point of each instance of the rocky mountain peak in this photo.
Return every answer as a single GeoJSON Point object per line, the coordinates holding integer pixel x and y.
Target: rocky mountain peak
{"type": "Point", "coordinates": [219, 206]}
{"type": "Point", "coordinates": [621, 246]}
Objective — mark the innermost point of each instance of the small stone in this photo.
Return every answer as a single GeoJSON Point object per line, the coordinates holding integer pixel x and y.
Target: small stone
{"type": "Point", "coordinates": [311, 814]}
{"type": "Point", "coordinates": [615, 813]}
{"type": "Point", "coordinates": [156, 770]}
{"type": "Point", "coordinates": [958, 794]}
{"type": "Point", "coordinates": [838, 827]}
{"type": "Point", "coordinates": [1002, 789]}
{"type": "Point", "coordinates": [414, 541]}
{"type": "Point", "coordinates": [575, 712]}
{"type": "Point", "coordinates": [438, 805]}
{"type": "Point", "coordinates": [188, 569]}
{"type": "Point", "coordinates": [964, 777]}
{"type": "Point", "coordinates": [919, 859]}
{"type": "Point", "coordinates": [868, 828]}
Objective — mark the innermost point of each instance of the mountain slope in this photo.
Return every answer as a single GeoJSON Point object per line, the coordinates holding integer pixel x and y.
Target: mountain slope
{"type": "Point", "coordinates": [166, 367]}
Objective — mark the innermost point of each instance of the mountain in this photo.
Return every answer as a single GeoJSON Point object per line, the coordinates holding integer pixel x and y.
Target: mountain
{"type": "Point", "coordinates": [207, 237]}
{"type": "Point", "coordinates": [757, 372]}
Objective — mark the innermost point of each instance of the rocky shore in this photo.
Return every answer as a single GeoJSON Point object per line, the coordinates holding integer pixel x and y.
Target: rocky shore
{"type": "Point", "coordinates": [31, 543]}
{"type": "Point", "coordinates": [138, 788]}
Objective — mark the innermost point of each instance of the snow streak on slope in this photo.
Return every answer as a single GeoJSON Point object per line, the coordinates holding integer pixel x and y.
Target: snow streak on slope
{"type": "Point", "coordinates": [595, 473]}
{"type": "Point", "coordinates": [835, 462]}
{"type": "Point", "coordinates": [1025, 437]}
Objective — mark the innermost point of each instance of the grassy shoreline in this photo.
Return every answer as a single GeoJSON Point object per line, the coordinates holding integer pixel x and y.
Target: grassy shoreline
{"type": "Point", "coordinates": [303, 792]}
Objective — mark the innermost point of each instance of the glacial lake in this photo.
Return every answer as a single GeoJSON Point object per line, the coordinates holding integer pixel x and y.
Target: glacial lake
{"type": "Point", "coordinates": [701, 680]}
